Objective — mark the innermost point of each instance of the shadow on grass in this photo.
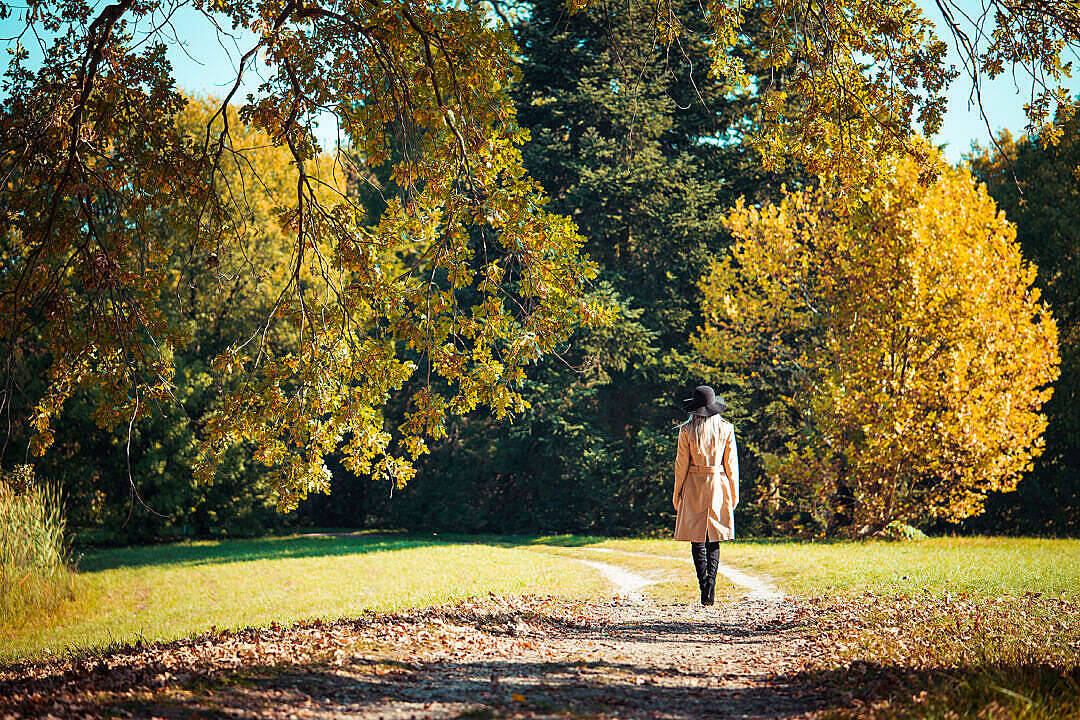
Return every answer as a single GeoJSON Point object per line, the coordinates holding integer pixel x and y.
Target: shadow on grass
{"type": "Point", "coordinates": [315, 544]}
{"type": "Point", "coordinates": [232, 551]}
{"type": "Point", "coordinates": [585, 540]}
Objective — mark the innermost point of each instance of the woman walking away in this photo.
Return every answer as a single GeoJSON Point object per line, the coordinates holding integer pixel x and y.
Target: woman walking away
{"type": "Point", "coordinates": [706, 484]}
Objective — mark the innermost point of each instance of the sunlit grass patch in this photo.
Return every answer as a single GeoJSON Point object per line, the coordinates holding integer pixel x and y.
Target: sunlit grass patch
{"type": "Point", "coordinates": [987, 565]}
{"type": "Point", "coordinates": [170, 591]}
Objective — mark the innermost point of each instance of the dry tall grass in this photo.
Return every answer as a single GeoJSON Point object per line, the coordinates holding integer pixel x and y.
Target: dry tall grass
{"type": "Point", "coordinates": [34, 571]}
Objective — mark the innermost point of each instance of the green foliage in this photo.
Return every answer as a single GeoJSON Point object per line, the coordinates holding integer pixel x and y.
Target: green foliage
{"type": "Point", "coordinates": [1038, 189]}
{"type": "Point", "coordinates": [124, 489]}
{"type": "Point", "coordinates": [918, 353]}
{"type": "Point", "coordinates": [34, 572]}
{"type": "Point", "coordinates": [643, 149]}
{"type": "Point", "coordinates": [156, 497]}
{"type": "Point", "coordinates": [463, 280]}
{"type": "Point", "coordinates": [842, 85]}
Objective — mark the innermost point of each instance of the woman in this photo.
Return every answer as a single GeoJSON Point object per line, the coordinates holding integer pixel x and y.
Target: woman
{"type": "Point", "coordinates": [706, 484]}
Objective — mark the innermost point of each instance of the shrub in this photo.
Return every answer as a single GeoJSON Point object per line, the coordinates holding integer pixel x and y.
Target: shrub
{"type": "Point", "coordinates": [34, 572]}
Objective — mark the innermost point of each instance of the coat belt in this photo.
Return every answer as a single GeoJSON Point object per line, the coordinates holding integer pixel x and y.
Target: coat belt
{"type": "Point", "coordinates": [706, 467]}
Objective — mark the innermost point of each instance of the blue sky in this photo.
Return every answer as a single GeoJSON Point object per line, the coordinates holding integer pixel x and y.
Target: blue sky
{"type": "Point", "coordinates": [1002, 98]}
{"type": "Point", "coordinates": [207, 67]}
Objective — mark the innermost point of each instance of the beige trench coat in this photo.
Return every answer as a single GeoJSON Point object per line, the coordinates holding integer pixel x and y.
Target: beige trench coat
{"type": "Point", "coordinates": [706, 480]}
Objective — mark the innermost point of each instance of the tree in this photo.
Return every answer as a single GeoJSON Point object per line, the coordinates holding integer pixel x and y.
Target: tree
{"type": "Point", "coordinates": [918, 352]}
{"type": "Point", "coordinates": [465, 279]}
{"type": "Point", "coordinates": [1039, 190]}
{"type": "Point", "coordinates": [122, 489]}
{"type": "Point", "coordinates": [644, 151]}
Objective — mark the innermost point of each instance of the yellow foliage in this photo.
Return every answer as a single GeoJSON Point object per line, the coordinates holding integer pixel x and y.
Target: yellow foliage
{"type": "Point", "coordinates": [461, 278]}
{"type": "Point", "coordinates": [920, 351]}
{"type": "Point", "coordinates": [138, 215]}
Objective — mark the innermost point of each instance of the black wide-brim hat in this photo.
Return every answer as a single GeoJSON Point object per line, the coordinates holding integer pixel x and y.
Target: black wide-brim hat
{"type": "Point", "coordinates": [704, 403]}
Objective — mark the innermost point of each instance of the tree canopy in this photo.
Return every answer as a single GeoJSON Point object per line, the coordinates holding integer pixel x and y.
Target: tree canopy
{"type": "Point", "coordinates": [463, 277]}
{"type": "Point", "coordinates": [623, 134]}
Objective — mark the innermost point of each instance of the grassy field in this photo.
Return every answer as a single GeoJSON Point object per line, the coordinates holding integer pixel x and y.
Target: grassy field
{"type": "Point", "coordinates": [982, 565]}
{"type": "Point", "coordinates": [946, 627]}
{"type": "Point", "coordinates": [168, 591]}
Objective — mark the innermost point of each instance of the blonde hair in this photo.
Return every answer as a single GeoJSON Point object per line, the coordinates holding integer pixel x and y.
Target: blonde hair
{"type": "Point", "coordinates": [693, 424]}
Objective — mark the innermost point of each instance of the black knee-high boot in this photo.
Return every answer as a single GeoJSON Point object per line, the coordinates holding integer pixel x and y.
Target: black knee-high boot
{"type": "Point", "coordinates": [712, 562]}
{"type": "Point", "coordinates": [697, 551]}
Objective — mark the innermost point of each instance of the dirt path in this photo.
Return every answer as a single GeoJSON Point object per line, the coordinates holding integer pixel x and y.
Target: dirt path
{"type": "Point", "coordinates": [627, 584]}
{"type": "Point", "coordinates": [759, 589]}
{"type": "Point", "coordinates": [492, 658]}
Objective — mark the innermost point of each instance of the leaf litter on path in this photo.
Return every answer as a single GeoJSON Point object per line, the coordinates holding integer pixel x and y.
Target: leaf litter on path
{"type": "Point", "coordinates": [849, 656]}
{"type": "Point", "coordinates": [492, 657]}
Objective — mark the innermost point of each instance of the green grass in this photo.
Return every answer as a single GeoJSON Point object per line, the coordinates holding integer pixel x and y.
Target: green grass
{"type": "Point", "coordinates": [169, 591]}
{"type": "Point", "coordinates": [984, 565]}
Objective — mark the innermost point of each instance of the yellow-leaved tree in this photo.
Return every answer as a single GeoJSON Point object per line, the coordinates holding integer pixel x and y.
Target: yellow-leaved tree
{"type": "Point", "coordinates": [912, 350]}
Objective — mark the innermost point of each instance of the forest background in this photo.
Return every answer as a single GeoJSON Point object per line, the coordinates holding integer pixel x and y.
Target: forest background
{"type": "Point", "coordinates": [645, 152]}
